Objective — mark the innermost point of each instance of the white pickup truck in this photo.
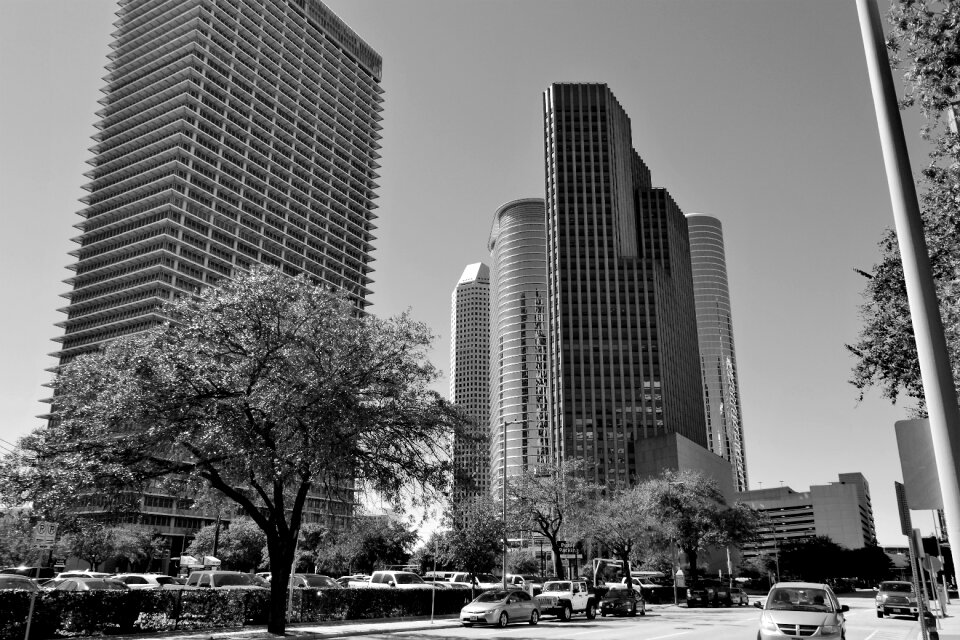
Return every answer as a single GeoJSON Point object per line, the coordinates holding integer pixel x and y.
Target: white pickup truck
{"type": "Point", "coordinates": [564, 598]}
{"type": "Point", "coordinates": [392, 580]}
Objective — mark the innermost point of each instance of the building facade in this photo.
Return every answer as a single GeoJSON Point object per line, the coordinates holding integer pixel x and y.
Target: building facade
{"type": "Point", "coordinates": [232, 133]}
{"type": "Point", "coordinates": [622, 335]}
{"type": "Point", "coordinates": [518, 340]}
{"type": "Point", "coordinates": [718, 360]}
{"type": "Point", "coordinates": [469, 378]}
{"type": "Point", "coordinates": [841, 511]}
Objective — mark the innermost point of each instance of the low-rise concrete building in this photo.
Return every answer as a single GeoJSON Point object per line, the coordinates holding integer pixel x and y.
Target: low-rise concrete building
{"type": "Point", "coordinates": [841, 511]}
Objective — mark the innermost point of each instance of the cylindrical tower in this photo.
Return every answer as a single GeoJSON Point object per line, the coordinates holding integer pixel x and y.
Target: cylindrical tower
{"type": "Point", "coordinates": [721, 387]}
{"type": "Point", "coordinates": [518, 339]}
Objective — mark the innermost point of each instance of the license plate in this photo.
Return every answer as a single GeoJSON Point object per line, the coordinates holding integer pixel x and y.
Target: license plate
{"type": "Point", "coordinates": [474, 617]}
{"type": "Point", "coordinates": [900, 610]}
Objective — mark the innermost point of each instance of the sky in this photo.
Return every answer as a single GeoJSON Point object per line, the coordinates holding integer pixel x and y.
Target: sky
{"type": "Point", "coordinates": [757, 112]}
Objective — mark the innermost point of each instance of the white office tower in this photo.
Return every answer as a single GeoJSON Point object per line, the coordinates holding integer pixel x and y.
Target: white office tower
{"type": "Point", "coordinates": [469, 365]}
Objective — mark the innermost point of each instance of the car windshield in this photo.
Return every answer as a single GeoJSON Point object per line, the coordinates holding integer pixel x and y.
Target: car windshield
{"type": "Point", "coordinates": [492, 596]}
{"type": "Point", "coordinates": [557, 586]}
{"type": "Point", "coordinates": [897, 587]}
{"type": "Point", "coordinates": [799, 599]}
{"type": "Point", "coordinates": [320, 581]}
{"type": "Point", "coordinates": [166, 580]}
{"type": "Point", "coordinates": [230, 579]}
{"type": "Point", "coordinates": [408, 578]}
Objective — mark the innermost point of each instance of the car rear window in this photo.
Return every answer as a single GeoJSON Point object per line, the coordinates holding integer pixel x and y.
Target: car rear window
{"type": "Point", "coordinates": [230, 579]}
{"type": "Point", "coordinates": [320, 581]}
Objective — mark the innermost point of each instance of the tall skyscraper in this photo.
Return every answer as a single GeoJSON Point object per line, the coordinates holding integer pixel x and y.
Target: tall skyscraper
{"type": "Point", "coordinates": [622, 336]}
{"type": "Point", "coordinates": [469, 378]}
{"type": "Point", "coordinates": [718, 360]}
{"type": "Point", "coordinates": [518, 339]}
{"type": "Point", "coordinates": [232, 133]}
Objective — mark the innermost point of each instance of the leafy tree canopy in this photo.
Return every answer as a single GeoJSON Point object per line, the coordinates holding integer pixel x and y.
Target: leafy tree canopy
{"type": "Point", "coordinates": [240, 544]}
{"type": "Point", "coordinates": [475, 539]}
{"type": "Point", "coordinates": [925, 45]}
{"type": "Point", "coordinates": [264, 390]}
{"type": "Point", "coordinates": [550, 501]}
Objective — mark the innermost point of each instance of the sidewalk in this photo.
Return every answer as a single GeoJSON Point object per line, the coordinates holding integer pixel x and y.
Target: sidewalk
{"type": "Point", "coordinates": [338, 629]}
{"type": "Point", "coordinates": [949, 627]}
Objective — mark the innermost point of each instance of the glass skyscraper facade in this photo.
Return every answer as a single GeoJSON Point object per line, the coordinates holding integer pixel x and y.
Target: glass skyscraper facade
{"type": "Point", "coordinates": [469, 378]}
{"type": "Point", "coordinates": [232, 133]}
{"type": "Point", "coordinates": [622, 332]}
{"type": "Point", "coordinates": [718, 360]}
{"type": "Point", "coordinates": [518, 339]}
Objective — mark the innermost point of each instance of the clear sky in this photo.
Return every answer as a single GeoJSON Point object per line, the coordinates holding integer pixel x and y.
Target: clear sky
{"type": "Point", "coordinates": [755, 111]}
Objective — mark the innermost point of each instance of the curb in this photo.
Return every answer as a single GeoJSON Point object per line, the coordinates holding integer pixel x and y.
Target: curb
{"type": "Point", "coordinates": [303, 629]}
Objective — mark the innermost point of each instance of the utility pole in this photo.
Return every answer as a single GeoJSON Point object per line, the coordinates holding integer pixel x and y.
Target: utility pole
{"type": "Point", "coordinates": [938, 388]}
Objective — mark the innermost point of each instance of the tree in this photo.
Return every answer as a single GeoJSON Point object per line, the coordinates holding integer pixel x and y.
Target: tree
{"type": "Point", "coordinates": [16, 539]}
{"type": "Point", "coordinates": [547, 500]}
{"type": "Point", "coordinates": [265, 390]}
{"type": "Point", "coordinates": [925, 44]}
{"type": "Point", "coordinates": [816, 559]}
{"type": "Point", "coordinates": [696, 516]}
{"type": "Point", "coordinates": [522, 561]}
{"type": "Point", "coordinates": [435, 554]}
{"type": "Point", "coordinates": [476, 534]}
{"type": "Point", "coordinates": [624, 522]}
{"type": "Point", "coordinates": [240, 545]}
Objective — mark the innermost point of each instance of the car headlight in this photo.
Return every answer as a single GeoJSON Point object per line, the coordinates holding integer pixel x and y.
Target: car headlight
{"type": "Point", "coordinates": [830, 629]}
{"type": "Point", "coordinates": [767, 623]}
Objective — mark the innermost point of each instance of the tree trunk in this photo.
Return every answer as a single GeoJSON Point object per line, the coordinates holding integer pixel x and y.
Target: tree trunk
{"type": "Point", "coordinates": [692, 561]}
{"type": "Point", "coordinates": [625, 560]}
{"type": "Point", "coordinates": [557, 560]}
{"type": "Point", "coordinates": [281, 558]}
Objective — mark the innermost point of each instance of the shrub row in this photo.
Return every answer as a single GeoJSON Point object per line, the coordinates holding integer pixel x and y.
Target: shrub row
{"type": "Point", "coordinates": [60, 614]}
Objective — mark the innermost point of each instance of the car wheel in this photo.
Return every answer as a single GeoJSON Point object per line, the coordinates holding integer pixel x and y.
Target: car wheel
{"type": "Point", "coordinates": [466, 624]}
{"type": "Point", "coordinates": [591, 611]}
{"type": "Point", "coordinates": [566, 613]}
{"type": "Point", "coordinates": [534, 617]}
{"type": "Point", "coordinates": [632, 611]}
{"type": "Point", "coordinates": [603, 614]}
{"type": "Point", "coordinates": [879, 614]}
{"type": "Point", "coordinates": [503, 620]}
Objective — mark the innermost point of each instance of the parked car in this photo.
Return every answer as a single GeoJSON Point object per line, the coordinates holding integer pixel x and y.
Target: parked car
{"type": "Point", "coordinates": [525, 581]}
{"type": "Point", "coordinates": [394, 579]}
{"type": "Point", "coordinates": [701, 595]}
{"type": "Point", "coordinates": [37, 573]}
{"type": "Point", "coordinates": [477, 580]}
{"type": "Point", "coordinates": [14, 581]}
{"type": "Point", "coordinates": [85, 573]}
{"type": "Point", "coordinates": [314, 581]}
{"type": "Point", "coordinates": [801, 608]}
{"type": "Point", "coordinates": [139, 581]}
{"type": "Point", "coordinates": [91, 584]}
{"type": "Point", "coordinates": [897, 598]}
{"type": "Point", "coordinates": [620, 601]}
{"type": "Point", "coordinates": [500, 607]}
{"type": "Point", "coordinates": [222, 580]}
{"type": "Point", "coordinates": [344, 581]}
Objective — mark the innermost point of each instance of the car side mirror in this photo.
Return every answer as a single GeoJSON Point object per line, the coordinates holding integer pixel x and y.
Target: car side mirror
{"type": "Point", "coordinates": [392, 583]}
{"type": "Point", "coordinates": [758, 604]}
{"type": "Point", "coordinates": [844, 607]}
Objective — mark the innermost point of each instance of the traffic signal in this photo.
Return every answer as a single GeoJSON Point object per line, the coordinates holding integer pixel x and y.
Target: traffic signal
{"type": "Point", "coordinates": [931, 546]}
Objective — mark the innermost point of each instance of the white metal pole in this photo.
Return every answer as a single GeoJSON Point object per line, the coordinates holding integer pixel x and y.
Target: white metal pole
{"type": "Point", "coordinates": [938, 388]}
{"type": "Point", "coordinates": [505, 505]}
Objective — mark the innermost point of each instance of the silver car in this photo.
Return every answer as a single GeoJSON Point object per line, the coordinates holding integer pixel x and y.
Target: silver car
{"type": "Point", "coordinates": [501, 607]}
{"type": "Point", "coordinates": [796, 609]}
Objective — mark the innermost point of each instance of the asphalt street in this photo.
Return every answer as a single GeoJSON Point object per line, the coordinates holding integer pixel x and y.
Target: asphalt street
{"type": "Point", "coordinates": [667, 621]}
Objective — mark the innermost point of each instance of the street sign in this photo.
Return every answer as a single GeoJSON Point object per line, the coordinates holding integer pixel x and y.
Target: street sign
{"type": "Point", "coordinates": [572, 555]}
{"type": "Point", "coordinates": [44, 534]}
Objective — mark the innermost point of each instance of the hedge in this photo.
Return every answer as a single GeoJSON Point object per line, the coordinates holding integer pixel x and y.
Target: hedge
{"type": "Point", "coordinates": [59, 614]}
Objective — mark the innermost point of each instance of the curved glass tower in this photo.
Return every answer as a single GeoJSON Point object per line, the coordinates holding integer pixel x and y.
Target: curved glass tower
{"type": "Point", "coordinates": [518, 339]}
{"type": "Point", "coordinates": [718, 360]}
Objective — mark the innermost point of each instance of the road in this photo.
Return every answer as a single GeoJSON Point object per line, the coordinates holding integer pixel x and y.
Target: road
{"type": "Point", "coordinates": [664, 622]}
